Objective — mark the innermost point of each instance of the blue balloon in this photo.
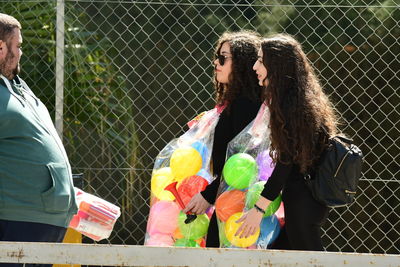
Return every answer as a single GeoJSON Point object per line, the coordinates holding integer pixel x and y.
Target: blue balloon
{"type": "Point", "coordinates": [269, 231]}
{"type": "Point", "coordinates": [206, 175]}
{"type": "Point", "coordinates": [203, 150]}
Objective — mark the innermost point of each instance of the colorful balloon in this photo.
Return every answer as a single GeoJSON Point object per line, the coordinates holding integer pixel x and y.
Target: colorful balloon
{"type": "Point", "coordinates": [273, 206]}
{"type": "Point", "coordinates": [159, 180]}
{"type": "Point", "coordinates": [185, 162]}
{"type": "Point", "coordinates": [203, 150]}
{"type": "Point", "coordinates": [269, 231]}
{"type": "Point", "coordinates": [190, 186]}
{"type": "Point", "coordinates": [194, 230]}
{"type": "Point", "coordinates": [265, 165]}
{"type": "Point", "coordinates": [206, 175]}
{"type": "Point", "coordinates": [222, 237]}
{"type": "Point", "coordinates": [163, 218]}
{"type": "Point", "coordinates": [210, 211]}
{"type": "Point", "coordinates": [280, 214]}
{"type": "Point", "coordinates": [160, 240]}
{"type": "Point", "coordinates": [240, 170]}
{"type": "Point", "coordinates": [229, 203]}
{"type": "Point", "coordinates": [177, 234]}
{"type": "Point", "coordinates": [201, 242]}
{"type": "Point", "coordinates": [230, 229]}
{"type": "Point", "coordinates": [253, 194]}
{"type": "Point", "coordinates": [254, 246]}
{"type": "Point", "coordinates": [184, 242]}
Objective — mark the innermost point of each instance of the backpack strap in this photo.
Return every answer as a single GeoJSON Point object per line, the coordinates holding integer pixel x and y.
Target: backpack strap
{"type": "Point", "coordinates": [343, 139]}
{"type": "Point", "coordinates": [308, 174]}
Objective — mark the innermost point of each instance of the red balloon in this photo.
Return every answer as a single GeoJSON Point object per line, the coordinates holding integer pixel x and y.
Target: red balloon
{"type": "Point", "coordinates": [280, 213]}
{"type": "Point", "coordinates": [190, 186]}
{"type": "Point", "coordinates": [229, 203]}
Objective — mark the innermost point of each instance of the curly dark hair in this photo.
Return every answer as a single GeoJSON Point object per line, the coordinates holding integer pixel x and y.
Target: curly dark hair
{"type": "Point", "coordinates": [302, 116]}
{"type": "Point", "coordinates": [243, 81]}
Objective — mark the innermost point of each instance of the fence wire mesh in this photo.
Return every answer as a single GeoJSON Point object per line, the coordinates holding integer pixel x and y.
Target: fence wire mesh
{"type": "Point", "coordinates": [136, 71]}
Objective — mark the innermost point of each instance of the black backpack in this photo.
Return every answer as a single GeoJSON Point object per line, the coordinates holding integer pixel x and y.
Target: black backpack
{"type": "Point", "coordinates": [336, 176]}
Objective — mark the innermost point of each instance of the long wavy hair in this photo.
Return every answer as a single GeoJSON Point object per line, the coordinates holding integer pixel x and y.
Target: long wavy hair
{"type": "Point", "coordinates": [302, 116]}
{"type": "Point", "coordinates": [243, 81]}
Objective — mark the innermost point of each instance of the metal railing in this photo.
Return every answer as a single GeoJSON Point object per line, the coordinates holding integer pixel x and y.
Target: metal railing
{"type": "Point", "coordinates": [117, 255]}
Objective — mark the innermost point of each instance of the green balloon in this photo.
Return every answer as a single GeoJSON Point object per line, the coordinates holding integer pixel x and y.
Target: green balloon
{"type": "Point", "coordinates": [273, 206]}
{"type": "Point", "coordinates": [223, 241]}
{"type": "Point", "coordinates": [253, 194]}
{"type": "Point", "coordinates": [183, 242]}
{"type": "Point", "coordinates": [194, 230]}
{"type": "Point", "coordinates": [240, 170]}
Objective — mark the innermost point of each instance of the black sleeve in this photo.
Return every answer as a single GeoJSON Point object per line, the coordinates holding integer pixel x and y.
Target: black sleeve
{"type": "Point", "coordinates": [210, 192]}
{"type": "Point", "coordinates": [232, 121]}
{"type": "Point", "coordinates": [276, 181]}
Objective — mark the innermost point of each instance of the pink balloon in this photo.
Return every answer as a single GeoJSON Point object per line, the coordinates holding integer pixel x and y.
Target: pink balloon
{"type": "Point", "coordinates": [163, 218]}
{"type": "Point", "coordinates": [210, 212]}
{"type": "Point", "coordinates": [280, 214]}
{"type": "Point", "coordinates": [265, 165]}
{"type": "Point", "coordinates": [160, 240]}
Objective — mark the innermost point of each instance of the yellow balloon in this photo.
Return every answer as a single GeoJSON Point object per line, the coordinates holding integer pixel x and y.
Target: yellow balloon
{"type": "Point", "coordinates": [185, 162]}
{"type": "Point", "coordinates": [230, 229]}
{"type": "Point", "coordinates": [160, 179]}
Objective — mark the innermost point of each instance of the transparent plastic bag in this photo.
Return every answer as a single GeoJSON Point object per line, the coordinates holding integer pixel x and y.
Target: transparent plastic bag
{"type": "Point", "coordinates": [181, 170]}
{"type": "Point", "coordinates": [247, 167]}
{"type": "Point", "coordinates": [96, 217]}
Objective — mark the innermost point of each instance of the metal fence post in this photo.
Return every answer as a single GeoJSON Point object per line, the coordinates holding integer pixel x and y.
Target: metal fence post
{"type": "Point", "coordinates": [59, 105]}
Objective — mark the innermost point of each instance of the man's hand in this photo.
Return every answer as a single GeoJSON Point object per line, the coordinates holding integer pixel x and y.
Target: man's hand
{"type": "Point", "coordinates": [197, 205]}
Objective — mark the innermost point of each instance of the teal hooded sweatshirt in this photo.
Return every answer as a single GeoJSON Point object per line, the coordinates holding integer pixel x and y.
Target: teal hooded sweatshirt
{"type": "Point", "coordinates": [35, 174]}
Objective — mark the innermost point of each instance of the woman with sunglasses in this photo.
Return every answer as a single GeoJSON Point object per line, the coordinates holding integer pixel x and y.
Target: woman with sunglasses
{"type": "Point", "coordinates": [302, 118]}
{"type": "Point", "coordinates": [237, 87]}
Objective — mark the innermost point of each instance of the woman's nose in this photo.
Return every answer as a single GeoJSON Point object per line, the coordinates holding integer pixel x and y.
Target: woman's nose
{"type": "Point", "coordinates": [255, 66]}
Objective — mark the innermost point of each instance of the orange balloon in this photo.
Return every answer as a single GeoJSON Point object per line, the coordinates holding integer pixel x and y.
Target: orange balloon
{"type": "Point", "coordinates": [178, 234]}
{"type": "Point", "coordinates": [229, 203]}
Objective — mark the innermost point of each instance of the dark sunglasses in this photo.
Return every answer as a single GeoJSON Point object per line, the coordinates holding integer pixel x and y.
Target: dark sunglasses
{"type": "Point", "coordinates": [221, 59]}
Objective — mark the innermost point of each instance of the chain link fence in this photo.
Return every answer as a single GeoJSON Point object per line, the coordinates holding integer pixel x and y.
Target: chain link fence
{"type": "Point", "coordinates": [135, 72]}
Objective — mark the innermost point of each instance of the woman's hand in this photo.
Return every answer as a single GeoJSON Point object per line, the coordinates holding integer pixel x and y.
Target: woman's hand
{"type": "Point", "coordinates": [197, 205]}
{"type": "Point", "coordinates": [252, 219]}
{"type": "Point", "coordinates": [251, 222]}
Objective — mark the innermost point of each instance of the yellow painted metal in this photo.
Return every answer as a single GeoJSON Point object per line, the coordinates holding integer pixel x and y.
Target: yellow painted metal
{"type": "Point", "coordinates": [71, 236]}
